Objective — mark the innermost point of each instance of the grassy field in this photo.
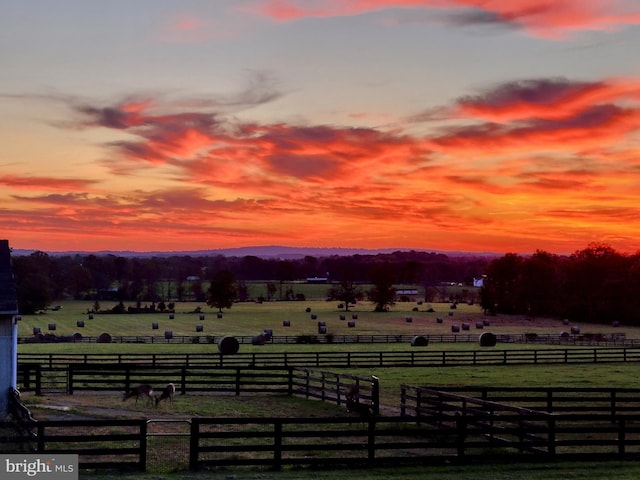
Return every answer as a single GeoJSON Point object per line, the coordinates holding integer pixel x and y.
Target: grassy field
{"type": "Point", "coordinates": [252, 318]}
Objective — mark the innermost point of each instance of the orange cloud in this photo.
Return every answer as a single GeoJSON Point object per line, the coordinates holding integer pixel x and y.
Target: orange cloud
{"type": "Point", "coordinates": [513, 164]}
{"type": "Point", "coordinates": [28, 182]}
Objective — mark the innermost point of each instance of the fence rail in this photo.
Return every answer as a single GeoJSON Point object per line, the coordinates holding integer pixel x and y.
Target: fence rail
{"type": "Point", "coordinates": [570, 400]}
{"type": "Point", "coordinates": [349, 359]}
{"type": "Point", "coordinates": [614, 339]}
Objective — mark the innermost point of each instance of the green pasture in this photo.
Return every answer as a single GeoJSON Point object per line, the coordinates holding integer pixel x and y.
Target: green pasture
{"type": "Point", "coordinates": [253, 318]}
{"type": "Point", "coordinates": [250, 318]}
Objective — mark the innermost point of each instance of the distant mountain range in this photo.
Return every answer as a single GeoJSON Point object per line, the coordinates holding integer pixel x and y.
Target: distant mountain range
{"type": "Point", "coordinates": [271, 251]}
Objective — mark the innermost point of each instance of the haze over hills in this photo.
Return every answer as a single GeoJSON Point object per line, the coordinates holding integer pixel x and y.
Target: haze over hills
{"type": "Point", "coordinates": [269, 251]}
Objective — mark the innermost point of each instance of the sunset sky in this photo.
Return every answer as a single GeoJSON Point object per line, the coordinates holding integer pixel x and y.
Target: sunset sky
{"type": "Point", "coordinates": [474, 125]}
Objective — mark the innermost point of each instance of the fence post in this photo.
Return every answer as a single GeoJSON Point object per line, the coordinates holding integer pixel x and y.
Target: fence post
{"type": "Point", "coordinates": [127, 378]}
{"type": "Point", "coordinates": [461, 427]}
{"type": "Point", "coordinates": [307, 379]}
{"type": "Point", "coordinates": [70, 372]}
{"type": "Point", "coordinates": [403, 400]}
{"type": "Point", "coordinates": [193, 444]}
{"type": "Point", "coordinates": [277, 445]}
{"type": "Point", "coordinates": [143, 445]}
{"type": "Point", "coordinates": [290, 381]}
{"type": "Point", "coordinates": [375, 394]}
{"type": "Point", "coordinates": [39, 380]}
{"type": "Point", "coordinates": [371, 441]}
{"type": "Point", "coordinates": [621, 436]}
{"type": "Point", "coordinates": [613, 405]}
{"type": "Point", "coordinates": [238, 381]}
{"type": "Point", "coordinates": [183, 380]}
{"type": "Point", "coordinates": [551, 436]}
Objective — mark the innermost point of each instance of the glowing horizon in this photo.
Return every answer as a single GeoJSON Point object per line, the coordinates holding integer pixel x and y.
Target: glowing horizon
{"type": "Point", "coordinates": [467, 125]}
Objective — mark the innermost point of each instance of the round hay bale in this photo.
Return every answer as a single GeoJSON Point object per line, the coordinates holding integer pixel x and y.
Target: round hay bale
{"type": "Point", "coordinates": [419, 341]}
{"type": "Point", "coordinates": [52, 326]}
{"type": "Point", "coordinates": [171, 316]}
{"type": "Point", "coordinates": [91, 316]}
{"type": "Point", "coordinates": [219, 315]}
{"type": "Point", "coordinates": [439, 320]}
{"type": "Point", "coordinates": [201, 317]}
{"type": "Point", "coordinates": [564, 335]}
{"type": "Point", "coordinates": [258, 340]}
{"type": "Point", "coordinates": [322, 324]}
{"type": "Point", "coordinates": [488, 339]}
{"type": "Point", "coordinates": [80, 323]}
{"type": "Point", "coordinates": [415, 309]}
{"type": "Point", "coordinates": [615, 324]}
{"type": "Point", "coordinates": [479, 325]}
{"type": "Point", "coordinates": [351, 324]}
{"type": "Point", "coordinates": [199, 328]}
{"type": "Point", "coordinates": [565, 321]}
{"type": "Point", "coordinates": [343, 317]}
{"type": "Point", "coordinates": [168, 334]}
{"type": "Point", "coordinates": [77, 337]}
{"type": "Point", "coordinates": [314, 316]}
{"type": "Point", "coordinates": [308, 310]}
{"type": "Point", "coordinates": [408, 319]}
{"type": "Point", "coordinates": [36, 330]}
{"type": "Point", "coordinates": [486, 322]}
{"type": "Point", "coordinates": [286, 323]}
{"type": "Point", "coordinates": [575, 330]}
{"type": "Point", "coordinates": [103, 338]}
{"type": "Point", "coordinates": [322, 330]}
{"type": "Point", "coordinates": [451, 314]}
{"type": "Point", "coordinates": [354, 316]}
{"type": "Point", "coordinates": [466, 326]}
{"type": "Point", "coordinates": [228, 345]}
{"type": "Point", "coordinates": [455, 328]}
{"type": "Point", "coordinates": [154, 326]}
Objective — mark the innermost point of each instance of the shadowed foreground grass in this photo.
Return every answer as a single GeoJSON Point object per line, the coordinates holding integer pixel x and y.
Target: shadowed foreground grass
{"type": "Point", "coordinates": [538, 471]}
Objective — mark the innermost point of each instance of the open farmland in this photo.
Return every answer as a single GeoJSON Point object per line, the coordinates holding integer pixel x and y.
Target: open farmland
{"type": "Point", "coordinates": [249, 318]}
{"type": "Point", "coordinates": [253, 318]}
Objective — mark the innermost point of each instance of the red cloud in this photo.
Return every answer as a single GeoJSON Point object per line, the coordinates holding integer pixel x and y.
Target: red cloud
{"type": "Point", "coordinates": [28, 182]}
{"type": "Point", "coordinates": [545, 19]}
{"type": "Point", "coordinates": [553, 98]}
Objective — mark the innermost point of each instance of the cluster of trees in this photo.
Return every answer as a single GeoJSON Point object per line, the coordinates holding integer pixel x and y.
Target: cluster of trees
{"type": "Point", "coordinates": [42, 279]}
{"type": "Point", "coordinates": [596, 284]}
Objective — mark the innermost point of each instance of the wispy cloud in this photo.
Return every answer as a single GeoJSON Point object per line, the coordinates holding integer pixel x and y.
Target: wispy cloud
{"type": "Point", "coordinates": [550, 19]}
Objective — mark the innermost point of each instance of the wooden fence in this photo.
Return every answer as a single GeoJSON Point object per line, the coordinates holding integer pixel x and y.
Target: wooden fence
{"type": "Point", "coordinates": [570, 400]}
{"type": "Point", "coordinates": [571, 422]}
{"type": "Point", "coordinates": [412, 357]}
{"type": "Point", "coordinates": [119, 444]}
{"type": "Point", "coordinates": [613, 339]}
{"type": "Point", "coordinates": [461, 425]}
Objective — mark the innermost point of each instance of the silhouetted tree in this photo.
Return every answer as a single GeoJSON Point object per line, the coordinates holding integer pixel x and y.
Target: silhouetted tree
{"type": "Point", "coordinates": [347, 292]}
{"type": "Point", "coordinates": [382, 294]}
{"type": "Point", "coordinates": [222, 290]}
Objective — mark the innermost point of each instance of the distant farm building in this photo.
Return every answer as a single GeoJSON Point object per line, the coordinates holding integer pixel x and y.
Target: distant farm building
{"type": "Point", "coordinates": [407, 291]}
{"type": "Point", "coordinates": [317, 280]}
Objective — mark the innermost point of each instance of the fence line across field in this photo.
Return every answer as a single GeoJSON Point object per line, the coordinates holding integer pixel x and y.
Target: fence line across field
{"type": "Point", "coordinates": [613, 339]}
{"type": "Point", "coordinates": [415, 357]}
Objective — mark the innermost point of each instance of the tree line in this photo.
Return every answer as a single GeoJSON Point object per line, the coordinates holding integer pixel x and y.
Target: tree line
{"type": "Point", "coordinates": [42, 279]}
{"type": "Point", "coordinates": [593, 285]}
